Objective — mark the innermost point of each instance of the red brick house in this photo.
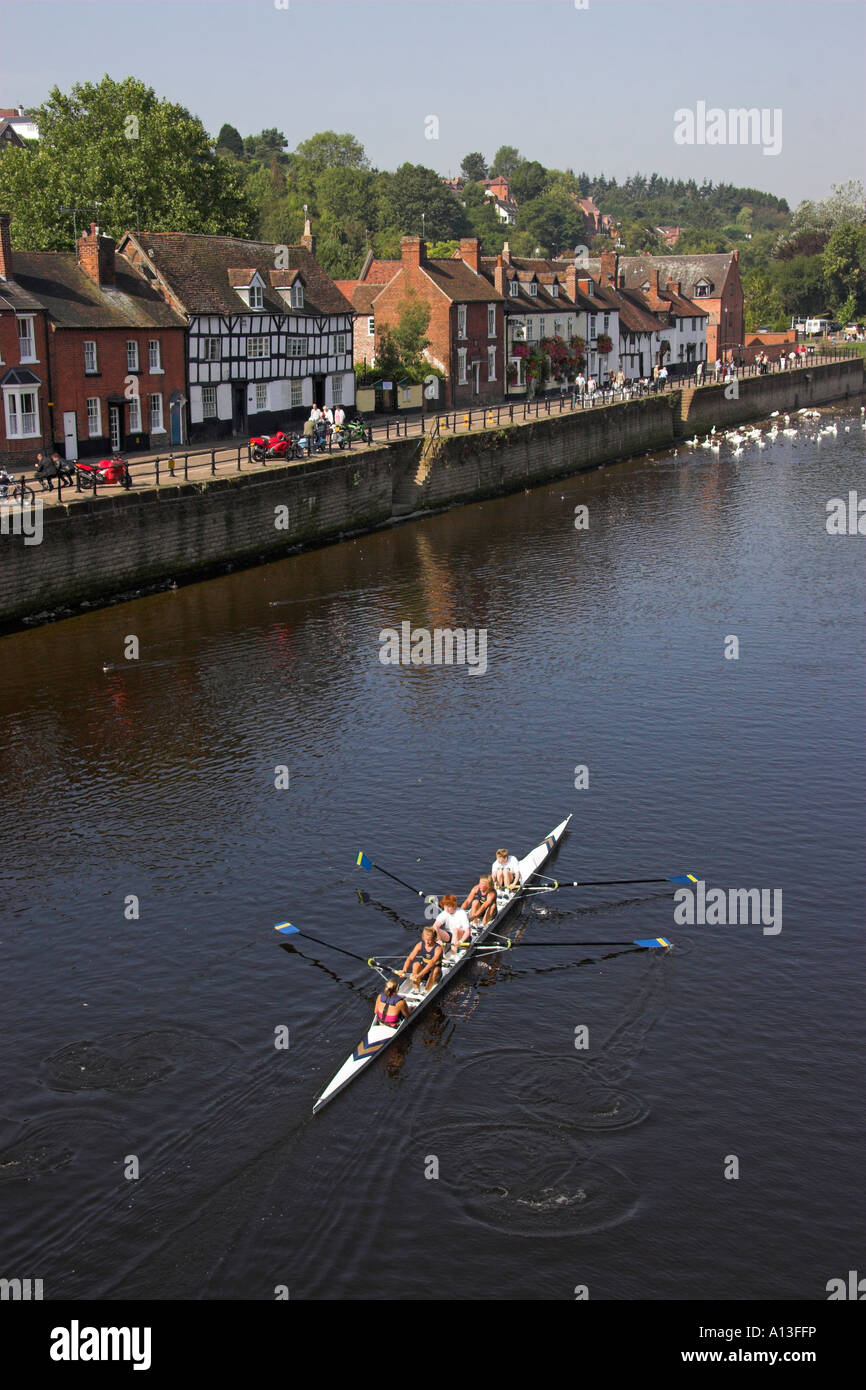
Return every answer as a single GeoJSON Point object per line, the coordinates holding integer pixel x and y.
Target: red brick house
{"type": "Point", "coordinates": [467, 324]}
{"type": "Point", "coordinates": [24, 427]}
{"type": "Point", "coordinates": [116, 351]}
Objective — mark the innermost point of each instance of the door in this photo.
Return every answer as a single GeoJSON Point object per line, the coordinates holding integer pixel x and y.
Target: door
{"type": "Point", "coordinates": [70, 435]}
{"type": "Point", "coordinates": [476, 378]}
{"type": "Point", "coordinates": [114, 428]}
{"type": "Point", "coordinates": [176, 422]}
{"type": "Point", "coordinates": [239, 409]}
{"type": "Point", "coordinates": [319, 391]}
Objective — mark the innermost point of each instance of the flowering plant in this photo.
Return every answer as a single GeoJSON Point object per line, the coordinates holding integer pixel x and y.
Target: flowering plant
{"type": "Point", "coordinates": [605, 344]}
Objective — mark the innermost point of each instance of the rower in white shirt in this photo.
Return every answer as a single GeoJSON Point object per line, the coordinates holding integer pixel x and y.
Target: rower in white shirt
{"type": "Point", "coordinates": [505, 870]}
{"type": "Point", "coordinates": [452, 924]}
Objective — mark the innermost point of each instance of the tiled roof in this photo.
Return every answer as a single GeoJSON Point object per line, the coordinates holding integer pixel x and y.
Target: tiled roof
{"type": "Point", "coordinates": [73, 300]}
{"type": "Point", "coordinates": [459, 283]}
{"type": "Point", "coordinates": [360, 293]}
{"type": "Point", "coordinates": [196, 268]}
{"type": "Point", "coordinates": [15, 296]}
{"type": "Point", "coordinates": [688, 269]}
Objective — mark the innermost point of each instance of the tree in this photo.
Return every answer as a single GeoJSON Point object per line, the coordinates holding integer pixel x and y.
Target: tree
{"type": "Point", "coordinates": [844, 265]}
{"type": "Point", "coordinates": [229, 142]}
{"type": "Point", "coordinates": [328, 150]}
{"type": "Point", "coordinates": [413, 193]}
{"type": "Point", "coordinates": [266, 144]}
{"type": "Point", "coordinates": [552, 221]}
{"type": "Point", "coordinates": [527, 181]}
{"type": "Point", "coordinates": [473, 169]}
{"type": "Point", "coordinates": [409, 334]}
{"type": "Point", "coordinates": [505, 161]}
{"type": "Point", "coordinates": [146, 162]}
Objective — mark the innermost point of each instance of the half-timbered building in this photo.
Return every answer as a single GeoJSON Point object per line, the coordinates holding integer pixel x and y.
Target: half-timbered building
{"type": "Point", "coordinates": [269, 335]}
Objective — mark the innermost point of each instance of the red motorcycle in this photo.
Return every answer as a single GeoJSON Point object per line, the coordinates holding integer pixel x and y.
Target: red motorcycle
{"type": "Point", "coordinates": [106, 471]}
{"type": "Point", "coordinates": [273, 446]}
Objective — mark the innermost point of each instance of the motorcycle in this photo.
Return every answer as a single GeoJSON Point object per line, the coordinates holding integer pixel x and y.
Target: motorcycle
{"type": "Point", "coordinates": [106, 471]}
{"type": "Point", "coordinates": [350, 432]}
{"type": "Point", "coordinates": [273, 446]}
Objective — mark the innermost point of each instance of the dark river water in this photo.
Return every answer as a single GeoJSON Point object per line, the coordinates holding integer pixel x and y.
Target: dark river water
{"type": "Point", "coordinates": [149, 1041]}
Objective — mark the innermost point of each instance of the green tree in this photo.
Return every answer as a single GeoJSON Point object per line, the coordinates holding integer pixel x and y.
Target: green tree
{"type": "Point", "coordinates": [229, 142]}
{"type": "Point", "coordinates": [328, 150]}
{"type": "Point", "coordinates": [473, 168]}
{"type": "Point", "coordinates": [409, 334]}
{"type": "Point", "coordinates": [552, 221]}
{"type": "Point", "coordinates": [505, 161]}
{"type": "Point", "coordinates": [265, 145]}
{"type": "Point", "coordinates": [844, 264]}
{"type": "Point", "coordinates": [413, 193]}
{"type": "Point", "coordinates": [146, 163]}
{"type": "Point", "coordinates": [527, 181]}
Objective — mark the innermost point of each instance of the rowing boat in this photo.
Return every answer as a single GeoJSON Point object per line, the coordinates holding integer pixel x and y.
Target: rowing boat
{"type": "Point", "coordinates": [378, 1036]}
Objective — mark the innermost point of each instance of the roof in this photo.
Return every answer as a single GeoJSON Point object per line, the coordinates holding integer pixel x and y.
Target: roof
{"type": "Point", "coordinates": [456, 280]}
{"type": "Point", "coordinates": [634, 314]}
{"type": "Point", "coordinates": [360, 293]}
{"type": "Point", "coordinates": [9, 133]}
{"type": "Point", "coordinates": [58, 284]}
{"type": "Point", "coordinates": [197, 268]}
{"type": "Point", "coordinates": [688, 269]}
{"type": "Point", "coordinates": [13, 295]}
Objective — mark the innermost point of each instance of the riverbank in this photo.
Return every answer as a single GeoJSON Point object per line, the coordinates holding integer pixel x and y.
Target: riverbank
{"type": "Point", "coordinates": [100, 550]}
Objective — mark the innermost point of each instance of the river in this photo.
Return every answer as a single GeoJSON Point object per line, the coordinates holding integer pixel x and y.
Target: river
{"type": "Point", "coordinates": [155, 1141]}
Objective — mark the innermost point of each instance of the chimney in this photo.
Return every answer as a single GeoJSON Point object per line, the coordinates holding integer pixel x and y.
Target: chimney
{"type": "Point", "coordinates": [469, 253]}
{"type": "Point", "coordinates": [20, 109]}
{"type": "Point", "coordinates": [5, 247]}
{"type": "Point", "coordinates": [506, 253]}
{"type": "Point", "coordinates": [308, 239]}
{"type": "Point", "coordinates": [571, 281]}
{"type": "Point", "coordinates": [96, 256]}
{"type": "Point", "coordinates": [413, 251]}
{"type": "Point", "coordinates": [609, 267]}
{"type": "Point", "coordinates": [499, 280]}
{"type": "Point", "coordinates": [674, 287]}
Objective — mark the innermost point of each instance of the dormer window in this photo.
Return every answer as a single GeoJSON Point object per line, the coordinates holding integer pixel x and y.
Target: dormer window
{"type": "Point", "coordinates": [645, 287]}
{"type": "Point", "coordinates": [702, 289]}
{"type": "Point", "coordinates": [554, 289]}
{"type": "Point", "coordinates": [514, 289]}
{"type": "Point", "coordinates": [297, 295]}
{"type": "Point", "coordinates": [256, 297]}
{"type": "Point", "coordinates": [533, 288]}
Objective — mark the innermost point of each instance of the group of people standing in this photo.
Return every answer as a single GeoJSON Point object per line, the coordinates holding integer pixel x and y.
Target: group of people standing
{"type": "Point", "coordinates": [322, 420]}
{"type": "Point", "coordinates": [452, 929]}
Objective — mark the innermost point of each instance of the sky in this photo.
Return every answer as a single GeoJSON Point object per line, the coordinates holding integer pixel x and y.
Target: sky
{"type": "Point", "coordinates": [595, 85]}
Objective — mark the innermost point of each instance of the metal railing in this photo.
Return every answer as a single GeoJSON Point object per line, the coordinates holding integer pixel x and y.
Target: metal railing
{"type": "Point", "coordinates": [190, 465]}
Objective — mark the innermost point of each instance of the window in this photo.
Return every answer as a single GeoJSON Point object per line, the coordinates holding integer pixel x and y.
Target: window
{"type": "Point", "coordinates": [461, 321]}
{"type": "Point", "coordinates": [533, 288]}
{"type": "Point", "coordinates": [702, 289]}
{"type": "Point", "coordinates": [341, 343]}
{"type": "Point", "coordinates": [22, 414]}
{"type": "Point", "coordinates": [570, 329]}
{"type": "Point", "coordinates": [26, 344]}
{"type": "Point", "coordinates": [461, 364]}
{"type": "Point", "coordinates": [297, 394]}
{"type": "Point", "coordinates": [607, 323]}
{"type": "Point", "coordinates": [208, 402]}
{"type": "Point", "coordinates": [94, 417]}
{"type": "Point", "coordinates": [261, 395]}
{"type": "Point", "coordinates": [514, 289]}
{"type": "Point", "coordinates": [297, 347]}
{"type": "Point", "coordinates": [156, 425]}
{"type": "Point", "coordinates": [491, 320]}
{"type": "Point", "coordinates": [90, 359]}
{"type": "Point", "coordinates": [297, 295]}
{"type": "Point", "coordinates": [557, 328]}
{"type": "Point", "coordinates": [554, 289]}
{"type": "Point", "coordinates": [135, 415]}
{"type": "Point", "coordinates": [210, 349]}
{"type": "Point", "coordinates": [258, 347]}
{"type": "Point", "coordinates": [131, 356]}
{"type": "Point", "coordinates": [154, 355]}
{"type": "Point", "coordinates": [337, 389]}
{"type": "Point", "coordinates": [256, 299]}
{"type": "Point", "coordinates": [371, 327]}
{"type": "Point", "coordinates": [491, 364]}
{"type": "Point", "coordinates": [530, 330]}
{"type": "Point", "coordinates": [592, 322]}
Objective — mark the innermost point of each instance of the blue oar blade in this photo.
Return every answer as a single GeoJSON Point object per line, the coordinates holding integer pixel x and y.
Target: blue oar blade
{"type": "Point", "coordinates": [683, 878]}
{"type": "Point", "coordinates": [286, 928]}
{"type": "Point", "coordinates": [363, 862]}
{"type": "Point", "coordinates": [653, 943]}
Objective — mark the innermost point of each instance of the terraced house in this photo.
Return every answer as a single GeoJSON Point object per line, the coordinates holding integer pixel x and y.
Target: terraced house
{"type": "Point", "coordinates": [110, 377]}
{"type": "Point", "coordinates": [269, 333]}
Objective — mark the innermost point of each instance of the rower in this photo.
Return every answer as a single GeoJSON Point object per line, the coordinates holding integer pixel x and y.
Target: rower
{"type": "Point", "coordinates": [390, 1008]}
{"type": "Point", "coordinates": [452, 924]}
{"type": "Point", "coordinates": [425, 959]}
{"type": "Point", "coordinates": [481, 901]}
{"type": "Point", "coordinates": [505, 871]}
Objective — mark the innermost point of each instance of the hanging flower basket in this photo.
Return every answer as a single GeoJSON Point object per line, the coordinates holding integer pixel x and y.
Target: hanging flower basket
{"type": "Point", "coordinates": [605, 344]}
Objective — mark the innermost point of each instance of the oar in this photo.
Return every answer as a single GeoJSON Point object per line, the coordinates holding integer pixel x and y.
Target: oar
{"type": "Point", "coordinates": [364, 863]}
{"type": "Point", "coordinates": [616, 882]}
{"type": "Point", "coordinates": [286, 929]}
{"type": "Point", "coordinates": [647, 943]}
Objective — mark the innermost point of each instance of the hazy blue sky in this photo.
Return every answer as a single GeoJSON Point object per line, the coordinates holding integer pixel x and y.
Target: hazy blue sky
{"type": "Point", "coordinates": [592, 88]}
